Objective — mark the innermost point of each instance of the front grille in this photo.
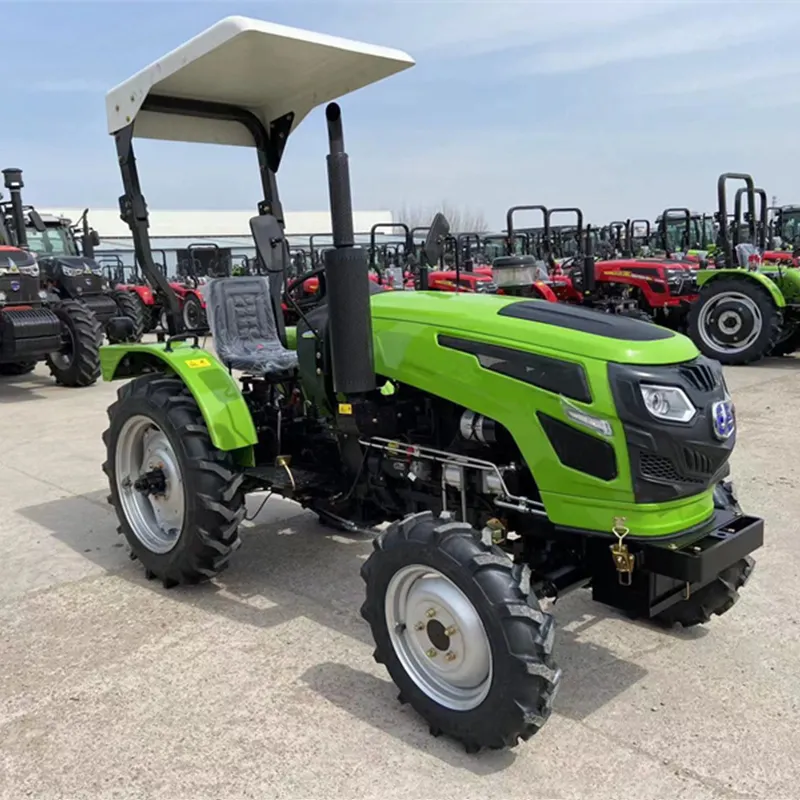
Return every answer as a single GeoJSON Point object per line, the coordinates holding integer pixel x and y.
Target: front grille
{"type": "Point", "coordinates": [701, 376]}
{"type": "Point", "coordinates": [102, 306]}
{"type": "Point", "coordinates": [660, 468]}
{"type": "Point", "coordinates": [30, 331]}
{"type": "Point", "coordinates": [697, 462]}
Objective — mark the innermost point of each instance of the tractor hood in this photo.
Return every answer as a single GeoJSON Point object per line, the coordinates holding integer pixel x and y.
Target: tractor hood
{"type": "Point", "coordinates": [634, 263]}
{"type": "Point", "coordinates": [72, 265]}
{"type": "Point", "coordinates": [516, 323]}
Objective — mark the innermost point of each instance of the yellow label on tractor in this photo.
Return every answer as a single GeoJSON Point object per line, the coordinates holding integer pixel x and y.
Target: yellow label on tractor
{"type": "Point", "coordinates": [197, 363]}
{"type": "Point", "coordinates": [345, 408]}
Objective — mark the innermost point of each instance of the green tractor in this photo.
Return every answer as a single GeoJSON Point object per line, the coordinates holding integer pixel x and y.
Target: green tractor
{"type": "Point", "coordinates": [518, 449]}
{"type": "Point", "coordinates": [748, 308]}
{"type": "Point", "coordinates": [688, 233]}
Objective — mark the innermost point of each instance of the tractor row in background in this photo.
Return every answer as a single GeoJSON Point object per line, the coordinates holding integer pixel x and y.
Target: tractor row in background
{"type": "Point", "coordinates": [729, 287]}
{"type": "Point", "coordinates": [55, 304]}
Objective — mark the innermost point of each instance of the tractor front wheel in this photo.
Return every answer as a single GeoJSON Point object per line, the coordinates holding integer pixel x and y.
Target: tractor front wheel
{"type": "Point", "coordinates": [714, 599]}
{"type": "Point", "coordinates": [132, 307]}
{"type": "Point", "coordinates": [718, 596]}
{"type": "Point", "coordinates": [467, 647]}
{"type": "Point", "coordinates": [77, 363]}
{"type": "Point", "coordinates": [194, 315]}
{"type": "Point", "coordinates": [734, 321]}
{"type": "Point", "coordinates": [178, 499]}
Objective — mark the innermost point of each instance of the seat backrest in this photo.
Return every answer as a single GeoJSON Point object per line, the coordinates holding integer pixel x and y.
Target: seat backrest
{"type": "Point", "coordinates": [240, 315]}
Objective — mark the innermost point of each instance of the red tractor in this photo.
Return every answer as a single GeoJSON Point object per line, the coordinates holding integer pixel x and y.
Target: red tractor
{"type": "Point", "coordinates": [129, 279]}
{"type": "Point", "coordinates": [657, 289]}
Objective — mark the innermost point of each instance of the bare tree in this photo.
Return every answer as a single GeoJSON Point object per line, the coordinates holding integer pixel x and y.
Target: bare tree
{"type": "Point", "coordinates": [462, 220]}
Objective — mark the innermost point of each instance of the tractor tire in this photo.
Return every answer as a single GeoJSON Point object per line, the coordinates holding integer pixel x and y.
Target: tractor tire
{"type": "Point", "coordinates": [724, 308]}
{"type": "Point", "coordinates": [77, 364]}
{"type": "Point", "coordinates": [468, 649]}
{"type": "Point", "coordinates": [194, 315]}
{"type": "Point", "coordinates": [149, 317]}
{"type": "Point", "coordinates": [17, 368]}
{"type": "Point", "coordinates": [132, 307]}
{"type": "Point", "coordinates": [725, 498]}
{"type": "Point", "coordinates": [787, 344]}
{"type": "Point", "coordinates": [713, 599]}
{"type": "Point", "coordinates": [182, 521]}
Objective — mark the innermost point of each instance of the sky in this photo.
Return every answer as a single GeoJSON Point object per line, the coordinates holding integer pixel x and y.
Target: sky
{"type": "Point", "coordinates": [621, 108]}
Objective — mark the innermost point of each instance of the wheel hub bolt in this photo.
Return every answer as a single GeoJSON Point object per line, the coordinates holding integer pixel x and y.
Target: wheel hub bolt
{"type": "Point", "coordinates": [431, 653]}
{"type": "Point", "coordinates": [420, 626]}
{"type": "Point", "coordinates": [431, 612]}
{"type": "Point", "coordinates": [451, 656]}
{"type": "Point", "coordinates": [451, 631]}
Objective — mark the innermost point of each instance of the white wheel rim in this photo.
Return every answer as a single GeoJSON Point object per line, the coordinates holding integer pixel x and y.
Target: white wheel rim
{"type": "Point", "coordinates": [156, 518]}
{"type": "Point", "coordinates": [438, 637]}
{"type": "Point", "coordinates": [731, 320]}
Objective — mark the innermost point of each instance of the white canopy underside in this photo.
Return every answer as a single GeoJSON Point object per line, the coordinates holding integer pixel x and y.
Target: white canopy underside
{"type": "Point", "coordinates": [268, 69]}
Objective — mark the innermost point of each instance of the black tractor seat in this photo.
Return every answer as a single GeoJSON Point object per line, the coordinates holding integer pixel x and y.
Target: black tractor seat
{"type": "Point", "coordinates": [242, 322]}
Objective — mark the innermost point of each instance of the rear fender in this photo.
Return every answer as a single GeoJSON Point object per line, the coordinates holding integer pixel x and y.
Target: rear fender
{"type": "Point", "coordinates": [544, 292]}
{"type": "Point", "coordinates": [214, 389]}
{"type": "Point", "coordinates": [705, 276]}
{"type": "Point", "coordinates": [145, 293]}
{"type": "Point", "coordinates": [198, 294]}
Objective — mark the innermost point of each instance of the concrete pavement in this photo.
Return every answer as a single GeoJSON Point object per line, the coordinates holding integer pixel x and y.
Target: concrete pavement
{"type": "Point", "coordinates": [262, 684]}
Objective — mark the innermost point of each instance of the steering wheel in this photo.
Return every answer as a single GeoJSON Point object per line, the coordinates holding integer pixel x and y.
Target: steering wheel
{"type": "Point", "coordinates": [304, 303]}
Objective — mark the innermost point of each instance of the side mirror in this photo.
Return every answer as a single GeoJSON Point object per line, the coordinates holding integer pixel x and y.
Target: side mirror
{"type": "Point", "coordinates": [269, 241]}
{"type": "Point", "coordinates": [94, 237]}
{"type": "Point", "coordinates": [36, 220]}
{"type": "Point", "coordinates": [434, 241]}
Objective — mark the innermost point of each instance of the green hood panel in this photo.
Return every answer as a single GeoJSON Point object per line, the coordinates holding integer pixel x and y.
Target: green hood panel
{"type": "Point", "coordinates": [407, 328]}
{"type": "Point", "coordinates": [479, 316]}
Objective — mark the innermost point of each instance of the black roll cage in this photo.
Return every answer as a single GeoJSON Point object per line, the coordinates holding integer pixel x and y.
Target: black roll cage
{"type": "Point", "coordinates": [269, 144]}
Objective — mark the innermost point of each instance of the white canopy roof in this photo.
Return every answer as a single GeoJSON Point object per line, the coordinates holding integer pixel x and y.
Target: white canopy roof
{"type": "Point", "coordinates": [269, 69]}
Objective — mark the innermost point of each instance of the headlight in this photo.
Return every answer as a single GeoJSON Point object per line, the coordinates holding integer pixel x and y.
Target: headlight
{"type": "Point", "coordinates": [72, 272]}
{"type": "Point", "coordinates": [668, 403]}
{"type": "Point", "coordinates": [43, 295]}
{"type": "Point", "coordinates": [32, 269]}
{"type": "Point", "coordinates": [2, 297]}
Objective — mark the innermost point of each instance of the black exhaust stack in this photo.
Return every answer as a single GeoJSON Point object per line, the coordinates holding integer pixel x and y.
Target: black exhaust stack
{"type": "Point", "coordinates": [12, 180]}
{"type": "Point", "coordinates": [346, 276]}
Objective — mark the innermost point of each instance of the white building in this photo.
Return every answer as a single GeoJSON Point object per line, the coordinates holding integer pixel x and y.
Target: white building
{"type": "Point", "coordinates": [193, 225]}
{"type": "Point", "coordinates": [171, 231]}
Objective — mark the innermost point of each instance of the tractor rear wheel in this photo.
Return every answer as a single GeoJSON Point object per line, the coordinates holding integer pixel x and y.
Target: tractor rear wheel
{"type": "Point", "coordinates": [17, 368]}
{"type": "Point", "coordinates": [787, 344]}
{"type": "Point", "coordinates": [77, 363]}
{"type": "Point", "coordinates": [178, 499]}
{"type": "Point", "coordinates": [734, 320]}
{"type": "Point", "coordinates": [132, 307]}
{"type": "Point", "coordinates": [468, 649]}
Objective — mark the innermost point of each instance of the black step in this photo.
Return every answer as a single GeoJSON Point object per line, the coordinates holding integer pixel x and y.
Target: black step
{"type": "Point", "coordinates": [280, 480]}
